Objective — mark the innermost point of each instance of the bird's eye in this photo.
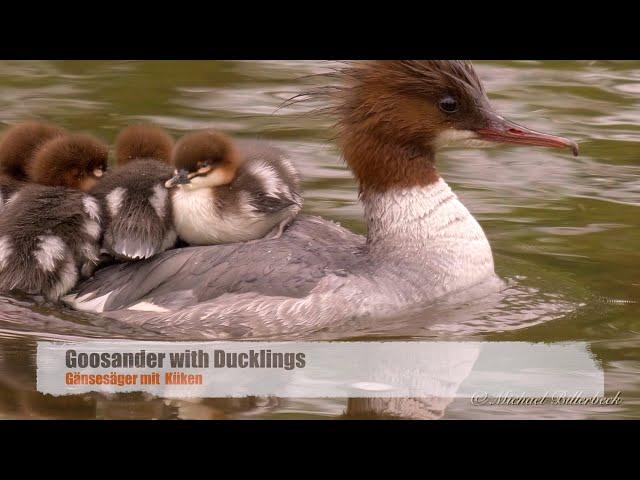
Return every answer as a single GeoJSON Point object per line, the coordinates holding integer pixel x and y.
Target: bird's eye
{"type": "Point", "coordinates": [448, 105]}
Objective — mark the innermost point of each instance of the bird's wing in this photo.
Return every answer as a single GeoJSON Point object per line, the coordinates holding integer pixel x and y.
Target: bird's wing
{"type": "Point", "coordinates": [290, 266]}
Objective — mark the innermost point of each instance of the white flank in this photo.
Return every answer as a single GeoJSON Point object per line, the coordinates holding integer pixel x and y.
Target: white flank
{"type": "Point", "coordinates": [115, 199]}
{"type": "Point", "coordinates": [269, 178]}
{"type": "Point", "coordinates": [92, 229]}
{"type": "Point", "coordinates": [92, 207]}
{"type": "Point", "coordinates": [147, 307]}
{"type": "Point", "coordinates": [158, 200]}
{"type": "Point", "coordinates": [50, 251]}
{"type": "Point", "coordinates": [5, 250]}
{"type": "Point", "coordinates": [95, 305]}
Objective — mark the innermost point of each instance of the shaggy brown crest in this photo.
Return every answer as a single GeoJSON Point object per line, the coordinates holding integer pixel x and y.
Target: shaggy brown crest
{"type": "Point", "coordinates": [19, 144]}
{"type": "Point", "coordinates": [393, 115]}
{"type": "Point", "coordinates": [390, 118]}
{"type": "Point", "coordinates": [143, 142]}
{"type": "Point", "coordinates": [73, 161]}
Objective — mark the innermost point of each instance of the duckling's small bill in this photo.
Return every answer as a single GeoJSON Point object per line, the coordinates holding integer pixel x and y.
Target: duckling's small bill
{"type": "Point", "coordinates": [180, 178]}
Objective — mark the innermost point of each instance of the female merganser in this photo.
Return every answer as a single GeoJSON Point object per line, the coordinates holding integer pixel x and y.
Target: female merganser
{"type": "Point", "coordinates": [49, 233]}
{"type": "Point", "coordinates": [222, 194]}
{"type": "Point", "coordinates": [17, 147]}
{"type": "Point", "coordinates": [139, 220]}
{"type": "Point", "coordinates": [422, 243]}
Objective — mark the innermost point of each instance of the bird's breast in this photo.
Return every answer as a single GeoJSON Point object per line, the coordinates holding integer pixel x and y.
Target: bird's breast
{"type": "Point", "coordinates": [200, 220]}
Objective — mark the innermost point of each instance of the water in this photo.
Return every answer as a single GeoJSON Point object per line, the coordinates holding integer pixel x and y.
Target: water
{"type": "Point", "coordinates": [564, 230]}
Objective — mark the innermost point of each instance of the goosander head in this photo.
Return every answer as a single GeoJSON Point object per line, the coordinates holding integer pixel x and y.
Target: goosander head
{"type": "Point", "coordinates": [394, 115]}
{"type": "Point", "coordinates": [204, 159]}
{"type": "Point", "coordinates": [19, 143]}
{"type": "Point", "coordinates": [143, 142]}
{"type": "Point", "coordinates": [74, 161]}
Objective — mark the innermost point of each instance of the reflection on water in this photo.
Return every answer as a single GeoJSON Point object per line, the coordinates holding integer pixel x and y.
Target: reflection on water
{"type": "Point", "coordinates": [564, 230]}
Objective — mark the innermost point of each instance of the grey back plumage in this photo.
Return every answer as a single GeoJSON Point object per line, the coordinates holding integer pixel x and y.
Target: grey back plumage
{"type": "Point", "coordinates": [187, 282]}
{"type": "Point", "coordinates": [291, 265]}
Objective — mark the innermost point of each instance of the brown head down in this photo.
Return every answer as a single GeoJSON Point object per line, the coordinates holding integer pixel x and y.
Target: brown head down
{"type": "Point", "coordinates": [19, 144]}
{"type": "Point", "coordinates": [143, 142]}
{"type": "Point", "coordinates": [207, 158]}
{"type": "Point", "coordinates": [395, 114]}
{"type": "Point", "coordinates": [73, 161]}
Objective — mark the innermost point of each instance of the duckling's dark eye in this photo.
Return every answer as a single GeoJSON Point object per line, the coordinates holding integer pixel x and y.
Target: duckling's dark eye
{"type": "Point", "coordinates": [448, 105]}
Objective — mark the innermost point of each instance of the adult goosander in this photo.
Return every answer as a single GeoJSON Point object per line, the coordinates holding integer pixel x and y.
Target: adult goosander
{"type": "Point", "coordinates": [225, 193]}
{"type": "Point", "coordinates": [17, 147]}
{"type": "Point", "coordinates": [138, 222]}
{"type": "Point", "coordinates": [49, 233]}
{"type": "Point", "coordinates": [422, 243]}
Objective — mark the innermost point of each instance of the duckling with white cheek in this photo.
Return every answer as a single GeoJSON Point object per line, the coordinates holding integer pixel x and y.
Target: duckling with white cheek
{"type": "Point", "coordinates": [138, 222]}
{"type": "Point", "coordinates": [225, 193]}
{"type": "Point", "coordinates": [49, 235]}
{"type": "Point", "coordinates": [17, 148]}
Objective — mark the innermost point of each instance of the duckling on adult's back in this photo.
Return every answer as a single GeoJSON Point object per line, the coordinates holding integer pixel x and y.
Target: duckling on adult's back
{"type": "Point", "coordinates": [138, 221]}
{"type": "Point", "coordinates": [17, 148]}
{"type": "Point", "coordinates": [49, 235]}
{"type": "Point", "coordinates": [225, 191]}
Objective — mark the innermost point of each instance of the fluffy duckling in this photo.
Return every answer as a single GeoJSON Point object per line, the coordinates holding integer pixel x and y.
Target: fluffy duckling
{"type": "Point", "coordinates": [49, 234]}
{"type": "Point", "coordinates": [74, 161]}
{"type": "Point", "coordinates": [20, 142]}
{"type": "Point", "coordinates": [138, 222]}
{"type": "Point", "coordinates": [17, 148]}
{"type": "Point", "coordinates": [221, 194]}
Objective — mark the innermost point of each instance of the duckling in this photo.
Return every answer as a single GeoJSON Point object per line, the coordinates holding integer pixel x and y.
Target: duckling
{"type": "Point", "coordinates": [17, 147]}
{"type": "Point", "coordinates": [139, 220]}
{"type": "Point", "coordinates": [223, 194]}
{"type": "Point", "coordinates": [49, 234]}
{"type": "Point", "coordinates": [73, 161]}
{"type": "Point", "coordinates": [20, 142]}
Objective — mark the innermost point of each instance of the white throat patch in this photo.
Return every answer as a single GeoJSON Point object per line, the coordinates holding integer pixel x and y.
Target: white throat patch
{"type": "Point", "coordinates": [459, 138]}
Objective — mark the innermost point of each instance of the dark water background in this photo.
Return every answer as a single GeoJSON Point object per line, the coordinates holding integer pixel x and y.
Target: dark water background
{"type": "Point", "coordinates": [564, 230]}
